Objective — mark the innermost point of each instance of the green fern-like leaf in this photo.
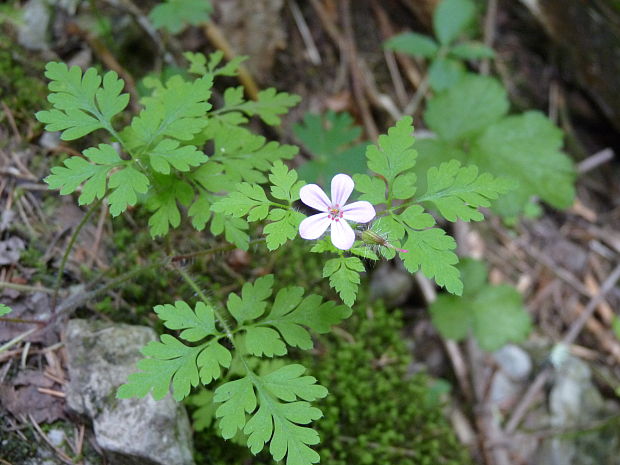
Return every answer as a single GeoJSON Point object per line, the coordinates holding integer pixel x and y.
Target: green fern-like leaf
{"type": "Point", "coordinates": [83, 102]}
{"type": "Point", "coordinates": [170, 361]}
{"type": "Point", "coordinates": [343, 274]}
{"type": "Point", "coordinates": [279, 417]}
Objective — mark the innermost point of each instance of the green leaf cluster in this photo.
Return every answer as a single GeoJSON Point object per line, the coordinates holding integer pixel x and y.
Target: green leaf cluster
{"type": "Point", "coordinates": [250, 201]}
{"type": "Point", "coordinates": [333, 141]}
{"type": "Point", "coordinates": [450, 20]}
{"type": "Point", "coordinates": [495, 315]}
{"type": "Point", "coordinates": [455, 191]}
{"type": "Point", "coordinates": [161, 157]}
{"type": "Point", "coordinates": [471, 124]}
{"type": "Point", "coordinates": [264, 408]}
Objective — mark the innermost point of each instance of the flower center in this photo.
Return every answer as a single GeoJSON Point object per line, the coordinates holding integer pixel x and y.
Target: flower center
{"type": "Point", "coordinates": [334, 213]}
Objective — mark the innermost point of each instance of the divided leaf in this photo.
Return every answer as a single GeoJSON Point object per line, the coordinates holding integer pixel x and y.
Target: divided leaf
{"type": "Point", "coordinates": [290, 315]}
{"type": "Point", "coordinates": [331, 138]}
{"type": "Point", "coordinates": [459, 191]}
{"type": "Point", "coordinates": [394, 152]}
{"type": "Point", "coordinates": [343, 274]}
{"type": "Point", "coordinates": [431, 250]}
{"type": "Point", "coordinates": [270, 105]}
{"type": "Point", "coordinates": [167, 153]}
{"type": "Point", "coordinates": [163, 199]}
{"type": "Point", "coordinates": [126, 184]}
{"type": "Point", "coordinates": [93, 173]}
{"type": "Point", "coordinates": [171, 361]}
{"type": "Point", "coordinates": [279, 415]}
{"type": "Point", "coordinates": [82, 102]}
{"type": "Point", "coordinates": [4, 309]}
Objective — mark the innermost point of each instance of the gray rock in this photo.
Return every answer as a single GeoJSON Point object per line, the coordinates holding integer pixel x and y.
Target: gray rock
{"type": "Point", "coordinates": [514, 362]}
{"type": "Point", "coordinates": [391, 283]}
{"type": "Point", "coordinates": [576, 405]}
{"type": "Point", "coordinates": [33, 31]}
{"type": "Point", "coordinates": [130, 431]}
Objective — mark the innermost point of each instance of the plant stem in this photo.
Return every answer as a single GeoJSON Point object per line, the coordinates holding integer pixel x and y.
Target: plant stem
{"type": "Point", "coordinates": [65, 257]}
{"type": "Point", "coordinates": [189, 280]}
{"type": "Point", "coordinates": [25, 287]}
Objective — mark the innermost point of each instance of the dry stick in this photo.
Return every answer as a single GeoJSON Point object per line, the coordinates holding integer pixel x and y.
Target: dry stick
{"type": "Point", "coordinates": [390, 58]}
{"type": "Point", "coordinates": [215, 35]}
{"type": "Point", "coordinates": [356, 79]}
{"type": "Point", "coordinates": [595, 160]}
{"type": "Point", "coordinates": [452, 348]}
{"type": "Point", "coordinates": [568, 339]}
{"type": "Point", "coordinates": [489, 34]}
{"type": "Point", "coordinates": [304, 31]}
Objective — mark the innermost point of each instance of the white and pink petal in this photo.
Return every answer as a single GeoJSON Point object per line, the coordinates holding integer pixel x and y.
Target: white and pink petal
{"type": "Point", "coordinates": [314, 226]}
{"type": "Point", "coordinates": [359, 212]}
{"type": "Point", "coordinates": [342, 186]}
{"type": "Point", "coordinates": [313, 196]}
{"type": "Point", "coordinates": [342, 235]}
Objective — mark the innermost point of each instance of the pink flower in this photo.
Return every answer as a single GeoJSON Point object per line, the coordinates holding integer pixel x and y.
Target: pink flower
{"type": "Point", "coordinates": [334, 212]}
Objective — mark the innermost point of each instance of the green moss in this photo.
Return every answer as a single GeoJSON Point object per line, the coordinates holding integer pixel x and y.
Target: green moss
{"type": "Point", "coordinates": [21, 84]}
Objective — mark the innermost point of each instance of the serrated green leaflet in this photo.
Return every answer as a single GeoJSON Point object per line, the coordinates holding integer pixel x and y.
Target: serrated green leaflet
{"type": "Point", "coordinates": [269, 105]}
{"type": "Point", "coordinates": [176, 110]}
{"type": "Point", "coordinates": [171, 361]}
{"type": "Point", "coordinates": [234, 230]}
{"type": "Point", "coordinates": [247, 200]}
{"type": "Point", "coordinates": [168, 153]}
{"type": "Point", "coordinates": [126, 184]}
{"type": "Point", "coordinates": [394, 152]}
{"type": "Point", "coordinates": [283, 227]}
{"type": "Point", "coordinates": [82, 102]}
{"type": "Point", "coordinates": [163, 201]}
{"type": "Point", "coordinates": [431, 250]}
{"type": "Point", "coordinates": [93, 175]}
{"type": "Point", "coordinates": [457, 191]}
{"type": "Point", "coordinates": [343, 274]}
{"type": "Point", "coordinates": [288, 319]}
{"type": "Point", "coordinates": [278, 417]}
{"type": "Point", "coordinates": [196, 324]}
{"type": "Point", "coordinates": [252, 302]}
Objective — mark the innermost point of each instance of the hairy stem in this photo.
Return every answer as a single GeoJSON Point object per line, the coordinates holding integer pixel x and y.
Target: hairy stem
{"type": "Point", "coordinates": [72, 240]}
{"type": "Point", "coordinates": [189, 280]}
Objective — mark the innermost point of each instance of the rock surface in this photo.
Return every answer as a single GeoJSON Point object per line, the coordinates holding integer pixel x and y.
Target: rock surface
{"type": "Point", "coordinates": [130, 431]}
{"type": "Point", "coordinates": [576, 405]}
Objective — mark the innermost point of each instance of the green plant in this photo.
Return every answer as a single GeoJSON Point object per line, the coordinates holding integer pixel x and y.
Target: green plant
{"type": "Point", "coordinates": [495, 315]}
{"type": "Point", "coordinates": [450, 19]}
{"type": "Point", "coordinates": [175, 15]}
{"type": "Point", "coordinates": [4, 309]}
{"type": "Point", "coordinates": [180, 156]}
